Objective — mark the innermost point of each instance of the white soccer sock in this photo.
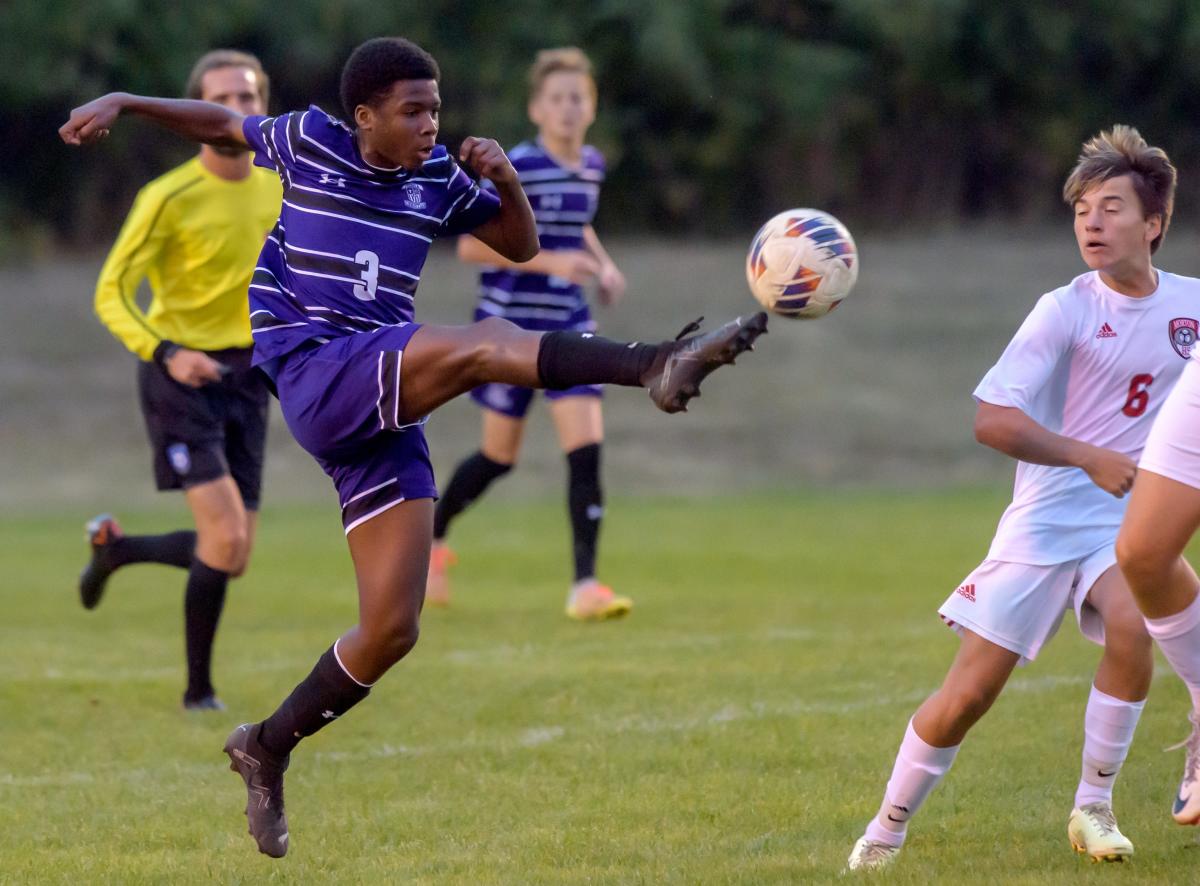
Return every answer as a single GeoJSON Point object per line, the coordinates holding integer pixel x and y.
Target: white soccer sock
{"type": "Point", "coordinates": [919, 767]}
{"type": "Point", "coordinates": [1108, 727]}
{"type": "Point", "coordinates": [1178, 636]}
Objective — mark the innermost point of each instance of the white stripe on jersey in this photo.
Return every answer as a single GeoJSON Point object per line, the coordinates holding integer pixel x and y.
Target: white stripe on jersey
{"type": "Point", "coordinates": [357, 221]}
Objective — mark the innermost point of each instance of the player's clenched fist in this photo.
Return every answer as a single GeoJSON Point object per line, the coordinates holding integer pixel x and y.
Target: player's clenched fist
{"type": "Point", "coordinates": [91, 122]}
{"type": "Point", "coordinates": [1112, 471]}
{"type": "Point", "coordinates": [487, 159]}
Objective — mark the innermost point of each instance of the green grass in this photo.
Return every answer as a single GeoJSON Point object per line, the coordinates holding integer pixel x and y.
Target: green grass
{"type": "Point", "coordinates": [737, 728]}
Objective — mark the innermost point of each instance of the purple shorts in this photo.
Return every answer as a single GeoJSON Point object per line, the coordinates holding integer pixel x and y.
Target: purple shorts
{"type": "Point", "coordinates": [341, 401]}
{"type": "Point", "coordinates": [514, 401]}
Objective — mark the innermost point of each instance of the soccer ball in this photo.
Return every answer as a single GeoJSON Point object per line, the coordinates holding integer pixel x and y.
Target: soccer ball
{"type": "Point", "coordinates": [801, 264]}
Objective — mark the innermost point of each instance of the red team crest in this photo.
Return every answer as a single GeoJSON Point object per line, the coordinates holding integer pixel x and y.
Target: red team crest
{"type": "Point", "coordinates": [1183, 332]}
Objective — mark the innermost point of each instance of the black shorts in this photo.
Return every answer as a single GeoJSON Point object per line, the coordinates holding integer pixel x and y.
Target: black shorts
{"type": "Point", "coordinates": [202, 434]}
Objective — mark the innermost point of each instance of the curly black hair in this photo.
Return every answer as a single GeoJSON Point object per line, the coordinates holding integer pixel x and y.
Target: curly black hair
{"type": "Point", "coordinates": [375, 65]}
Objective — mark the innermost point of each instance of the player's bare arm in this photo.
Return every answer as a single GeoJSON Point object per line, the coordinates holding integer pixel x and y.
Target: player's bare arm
{"type": "Point", "coordinates": [1011, 431]}
{"type": "Point", "coordinates": [512, 231]}
{"type": "Point", "coordinates": [204, 122]}
{"type": "Point", "coordinates": [610, 278]}
{"type": "Point", "coordinates": [576, 265]}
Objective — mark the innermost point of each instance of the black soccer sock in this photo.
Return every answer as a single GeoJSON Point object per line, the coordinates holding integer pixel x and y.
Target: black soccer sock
{"type": "Point", "coordinates": [585, 501]}
{"type": "Point", "coordinates": [172, 549]}
{"type": "Point", "coordinates": [567, 359]}
{"type": "Point", "coordinates": [475, 474]}
{"type": "Point", "coordinates": [320, 698]}
{"type": "Point", "coordinates": [202, 605]}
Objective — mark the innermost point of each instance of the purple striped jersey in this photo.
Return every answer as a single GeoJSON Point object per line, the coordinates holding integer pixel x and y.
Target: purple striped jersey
{"type": "Point", "coordinates": [347, 251]}
{"type": "Point", "coordinates": [564, 200]}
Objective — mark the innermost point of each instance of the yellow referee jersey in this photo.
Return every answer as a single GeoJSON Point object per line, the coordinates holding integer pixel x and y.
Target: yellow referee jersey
{"type": "Point", "coordinates": [196, 237]}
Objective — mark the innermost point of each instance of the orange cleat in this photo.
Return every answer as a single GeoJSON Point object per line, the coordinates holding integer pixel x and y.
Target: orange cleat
{"type": "Point", "coordinates": [437, 584]}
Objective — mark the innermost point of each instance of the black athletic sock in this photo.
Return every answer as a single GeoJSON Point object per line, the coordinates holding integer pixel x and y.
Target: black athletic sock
{"type": "Point", "coordinates": [202, 605]}
{"type": "Point", "coordinates": [567, 359]}
{"type": "Point", "coordinates": [320, 698]}
{"type": "Point", "coordinates": [471, 478]}
{"type": "Point", "coordinates": [585, 501]}
{"type": "Point", "coordinates": [172, 549]}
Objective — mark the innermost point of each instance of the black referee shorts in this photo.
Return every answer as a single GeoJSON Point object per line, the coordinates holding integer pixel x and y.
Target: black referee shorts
{"type": "Point", "coordinates": [201, 434]}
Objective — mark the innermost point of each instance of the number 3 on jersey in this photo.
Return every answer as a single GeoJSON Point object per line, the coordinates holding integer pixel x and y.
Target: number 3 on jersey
{"type": "Point", "coordinates": [370, 276]}
{"type": "Point", "coordinates": [1139, 395]}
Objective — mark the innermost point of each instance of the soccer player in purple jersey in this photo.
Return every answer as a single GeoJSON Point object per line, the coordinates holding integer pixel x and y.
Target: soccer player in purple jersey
{"type": "Point", "coordinates": [331, 307]}
{"type": "Point", "coordinates": [561, 176]}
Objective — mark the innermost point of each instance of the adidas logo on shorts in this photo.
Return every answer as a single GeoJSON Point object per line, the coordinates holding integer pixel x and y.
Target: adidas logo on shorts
{"type": "Point", "coordinates": [967, 591]}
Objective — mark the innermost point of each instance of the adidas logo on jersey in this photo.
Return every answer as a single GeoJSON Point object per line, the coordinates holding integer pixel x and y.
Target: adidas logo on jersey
{"type": "Point", "coordinates": [1106, 331]}
{"type": "Point", "coordinates": [968, 592]}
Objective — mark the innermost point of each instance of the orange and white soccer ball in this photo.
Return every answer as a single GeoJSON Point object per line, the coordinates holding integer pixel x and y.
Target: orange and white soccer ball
{"type": "Point", "coordinates": [801, 264]}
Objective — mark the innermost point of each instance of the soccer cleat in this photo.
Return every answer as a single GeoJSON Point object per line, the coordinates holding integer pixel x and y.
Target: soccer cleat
{"type": "Point", "coordinates": [437, 582]}
{"type": "Point", "coordinates": [871, 855]}
{"type": "Point", "coordinates": [1092, 830]}
{"type": "Point", "coordinates": [1186, 809]}
{"type": "Point", "coordinates": [206, 703]}
{"type": "Point", "coordinates": [591, 601]}
{"type": "Point", "coordinates": [263, 774]}
{"type": "Point", "coordinates": [101, 532]}
{"type": "Point", "coordinates": [674, 377]}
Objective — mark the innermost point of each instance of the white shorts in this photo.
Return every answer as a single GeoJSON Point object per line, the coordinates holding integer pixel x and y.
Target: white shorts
{"type": "Point", "coordinates": [1173, 447]}
{"type": "Point", "coordinates": [1019, 606]}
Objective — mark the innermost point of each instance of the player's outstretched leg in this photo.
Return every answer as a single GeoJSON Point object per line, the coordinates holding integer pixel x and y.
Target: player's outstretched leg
{"type": "Point", "coordinates": [930, 745]}
{"type": "Point", "coordinates": [391, 556]}
{"type": "Point", "coordinates": [442, 362]}
{"type": "Point", "coordinates": [111, 549]}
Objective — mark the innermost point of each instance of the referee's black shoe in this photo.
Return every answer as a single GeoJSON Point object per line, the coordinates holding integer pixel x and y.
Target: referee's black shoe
{"type": "Point", "coordinates": [675, 375]}
{"type": "Point", "coordinates": [263, 774]}
{"type": "Point", "coordinates": [102, 531]}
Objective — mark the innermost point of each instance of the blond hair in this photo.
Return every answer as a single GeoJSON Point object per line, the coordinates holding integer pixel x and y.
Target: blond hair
{"type": "Point", "coordinates": [1122, 151]}
{"type": "Point", "coordinates": [226, 58]}
{"type": "Point", "coordinates": [553, 61]}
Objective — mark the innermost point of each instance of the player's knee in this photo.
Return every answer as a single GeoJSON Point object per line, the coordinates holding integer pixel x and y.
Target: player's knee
{"type": "Point", "coordinates": [493, 340]}
{"type": "Point", "coordinates": [1141, 564]}
{"type": "Point", "coordinates": [967, 703]}
{"type": "Point", "coordinates": [226, 546]}
{"type": "Point", "coordinates": [397, 636]}
{"type": "Point", "coordinates": [1125, 636]}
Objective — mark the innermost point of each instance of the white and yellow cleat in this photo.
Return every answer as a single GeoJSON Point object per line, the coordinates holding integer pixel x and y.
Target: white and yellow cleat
{"type": "Point", "coordinates": [1092, 829]}
{"type": "Point", "coordinates": [871, 855]}
{"type": "Point", "coordinates": [591, 601]}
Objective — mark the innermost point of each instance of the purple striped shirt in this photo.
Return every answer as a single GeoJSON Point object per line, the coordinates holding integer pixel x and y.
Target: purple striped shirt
{"type": "Point", "coordinates": [347, 252]}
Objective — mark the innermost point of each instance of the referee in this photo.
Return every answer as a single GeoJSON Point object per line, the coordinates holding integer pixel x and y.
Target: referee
{"type": "Point", "coordinates": [195, 234]}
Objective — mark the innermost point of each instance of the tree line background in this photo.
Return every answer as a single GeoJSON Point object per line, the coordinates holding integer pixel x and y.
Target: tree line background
{"type": "Point", "coordinates": [713, 113]}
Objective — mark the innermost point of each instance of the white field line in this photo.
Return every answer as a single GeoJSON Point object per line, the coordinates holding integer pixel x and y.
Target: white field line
{"type": "Point", "coordinates": [486, 656]}
{"type": "Point", "coordinates": [537, 736]}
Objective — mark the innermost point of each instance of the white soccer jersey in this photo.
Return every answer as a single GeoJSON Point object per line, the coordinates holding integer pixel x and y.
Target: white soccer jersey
{"type": "Point", "coordinates": [1093, 365]}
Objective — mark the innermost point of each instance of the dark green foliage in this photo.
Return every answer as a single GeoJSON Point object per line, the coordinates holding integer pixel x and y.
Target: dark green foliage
{"type": "Point", "coordinates": [714, 113]}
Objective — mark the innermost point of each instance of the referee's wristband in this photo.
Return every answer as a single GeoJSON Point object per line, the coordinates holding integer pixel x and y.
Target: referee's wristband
{"type": "Point", "coordinates": [165, 350]}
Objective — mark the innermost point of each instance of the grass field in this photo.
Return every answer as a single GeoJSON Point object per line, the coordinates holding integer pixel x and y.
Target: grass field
{"type": "Point", "coordinates": [737, 728]}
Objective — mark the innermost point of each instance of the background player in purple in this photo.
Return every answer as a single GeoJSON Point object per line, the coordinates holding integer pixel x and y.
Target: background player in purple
{"type": "Point", "coordinates": [331, 308]}
{"type": "Point", "coordinates": [561, 175]}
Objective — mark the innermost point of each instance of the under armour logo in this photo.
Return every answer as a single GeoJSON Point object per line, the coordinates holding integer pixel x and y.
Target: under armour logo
{"type": "Point", "coordinates": [327, 179]}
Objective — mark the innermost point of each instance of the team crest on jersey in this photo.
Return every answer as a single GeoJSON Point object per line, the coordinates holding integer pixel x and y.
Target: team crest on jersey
{"type": "Point", "coordinates": [1183, 332]}
{"type": "Point", "coordinates": [414, 197]}
{"type": "Point", "coordinates": [180, 459]}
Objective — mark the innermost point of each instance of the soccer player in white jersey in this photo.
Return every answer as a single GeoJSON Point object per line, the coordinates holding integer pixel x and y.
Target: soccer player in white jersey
{"type": "Point", "coordinates": [1072, 398]}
